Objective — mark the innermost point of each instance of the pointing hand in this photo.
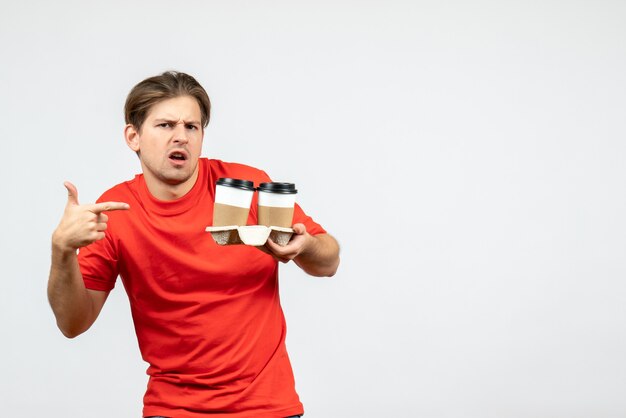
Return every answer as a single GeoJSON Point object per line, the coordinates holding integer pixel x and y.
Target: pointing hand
{"type": "Point", "coordinates": [82, 224]}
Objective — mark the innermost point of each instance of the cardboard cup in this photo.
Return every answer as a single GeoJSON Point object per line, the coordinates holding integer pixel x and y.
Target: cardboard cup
{"type": "Point", "coordinates": [232, 202]}
{"type": "Point", "coordinates": [276, 203]}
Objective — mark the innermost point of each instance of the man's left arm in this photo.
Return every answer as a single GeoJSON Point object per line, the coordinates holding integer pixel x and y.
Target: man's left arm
{"type": "Point", "coordinates": [317, 255]}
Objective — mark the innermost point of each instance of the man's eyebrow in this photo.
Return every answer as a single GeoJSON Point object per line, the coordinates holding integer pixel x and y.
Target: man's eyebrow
{"type": "Point", "coordinates": [160, 120]}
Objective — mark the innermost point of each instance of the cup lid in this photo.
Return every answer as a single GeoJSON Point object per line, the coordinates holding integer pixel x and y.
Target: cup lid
{"type": "Point", "coordinates": [237, 183]}
{"type": "Point", "coordinates": [277, 187]}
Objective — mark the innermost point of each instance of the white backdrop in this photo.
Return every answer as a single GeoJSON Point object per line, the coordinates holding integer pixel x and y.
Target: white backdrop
{"type": "Point", "coordinates": [468, 156]}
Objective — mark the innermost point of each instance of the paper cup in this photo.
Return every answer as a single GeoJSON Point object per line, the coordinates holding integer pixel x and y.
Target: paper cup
{"type": "Point", "coordinates": [276, 203]}
{"type": "Point", "coordinates": [232, 202]}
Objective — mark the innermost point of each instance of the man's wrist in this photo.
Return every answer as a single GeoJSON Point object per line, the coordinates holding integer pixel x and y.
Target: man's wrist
{"type": "Point", "coordinates": [60, 248]}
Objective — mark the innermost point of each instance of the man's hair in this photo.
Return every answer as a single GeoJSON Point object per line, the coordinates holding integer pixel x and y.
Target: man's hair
{"type": "Point", "coordinates": [169, 85]}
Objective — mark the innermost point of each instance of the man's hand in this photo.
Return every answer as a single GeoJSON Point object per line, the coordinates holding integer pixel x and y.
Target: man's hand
{"type": "Point", "coordinates": [317, 255]}
{"type": "Point", "coordinates": [76, 307]}
{"type": "Point", "coordinates": [296, 246]}
{"type": "Point", "coordinates": [82, 224]}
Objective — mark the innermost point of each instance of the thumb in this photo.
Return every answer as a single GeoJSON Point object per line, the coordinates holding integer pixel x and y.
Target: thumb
{"type": "Point", "coordinates": [72, 193]}
{"type": "Point", "coordinates": [299, 229]}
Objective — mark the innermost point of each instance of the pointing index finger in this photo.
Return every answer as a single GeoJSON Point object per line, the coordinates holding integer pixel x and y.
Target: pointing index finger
{"type": "Point", "coordinates": [108, 206]}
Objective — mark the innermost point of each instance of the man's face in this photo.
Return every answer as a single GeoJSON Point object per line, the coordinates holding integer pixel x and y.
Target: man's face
{"type": "Point", "coordinates": [169, 142]}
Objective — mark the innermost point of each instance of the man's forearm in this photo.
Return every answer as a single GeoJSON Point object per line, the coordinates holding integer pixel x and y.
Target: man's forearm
{"type": "Point", "coordinates": [75, 307]}
{"type": "Point", "coordinates": [68, 297]}
{"type": "Point", "coordinates": [321, 257]}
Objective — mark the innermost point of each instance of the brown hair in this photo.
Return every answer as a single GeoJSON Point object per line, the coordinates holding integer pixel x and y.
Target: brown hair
{"type": "Point", "coordinates": [169, 85]}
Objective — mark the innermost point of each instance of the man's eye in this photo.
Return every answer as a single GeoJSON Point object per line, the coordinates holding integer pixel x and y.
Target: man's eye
{"type": "Point", "coordinates": [163, 125]}
{"type": "Point", "coordinates": [192, 127]}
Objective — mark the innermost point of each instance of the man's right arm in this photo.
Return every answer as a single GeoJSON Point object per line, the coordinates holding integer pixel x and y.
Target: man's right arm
{"type": "Point", "coordinates": [76, 307]}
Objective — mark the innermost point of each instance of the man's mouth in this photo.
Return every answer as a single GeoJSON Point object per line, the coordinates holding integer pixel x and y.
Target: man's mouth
{"type": "Point", "coordinates": [178, 156]}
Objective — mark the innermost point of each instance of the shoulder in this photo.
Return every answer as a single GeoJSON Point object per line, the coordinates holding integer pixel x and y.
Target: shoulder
{"type": "Point", "coordinates": [236, 170]}
{"type": "Point", "coordinates": [121, 192]}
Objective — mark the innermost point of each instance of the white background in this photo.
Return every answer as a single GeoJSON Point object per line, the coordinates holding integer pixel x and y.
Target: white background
{"type": "Point", "coordinates": [468, 156]}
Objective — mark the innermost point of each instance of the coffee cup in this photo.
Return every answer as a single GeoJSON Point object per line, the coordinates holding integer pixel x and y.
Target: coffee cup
{"type": "Point", "coordinates": [232, 201]}
{"type": "Point", "coordinates": [276, 203]}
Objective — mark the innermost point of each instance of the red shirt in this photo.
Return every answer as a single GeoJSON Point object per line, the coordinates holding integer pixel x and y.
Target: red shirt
{"type": "Point", "coordinates": [208, 318]}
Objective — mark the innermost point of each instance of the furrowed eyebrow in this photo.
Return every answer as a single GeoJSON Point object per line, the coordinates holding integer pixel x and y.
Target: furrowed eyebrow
{"type": "Point", "coordinates": [162, 120]}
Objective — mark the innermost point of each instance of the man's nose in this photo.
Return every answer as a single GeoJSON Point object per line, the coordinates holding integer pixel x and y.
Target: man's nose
{"type": "Point", "coordinates": [180, 133]}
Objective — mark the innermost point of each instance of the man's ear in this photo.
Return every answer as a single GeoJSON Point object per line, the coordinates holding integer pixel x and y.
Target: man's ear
{"type": "Point", "coordinates": [132, 137]}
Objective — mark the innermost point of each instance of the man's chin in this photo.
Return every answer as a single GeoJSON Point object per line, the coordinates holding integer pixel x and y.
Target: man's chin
{"type": "Point", "coordinates": [176, 176]}
{"type": "Point", "coordinates": [175, 180]}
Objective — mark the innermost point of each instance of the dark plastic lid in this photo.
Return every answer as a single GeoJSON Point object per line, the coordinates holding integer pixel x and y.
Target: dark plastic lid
{"type": "Point", "coordinates": [239, 184]}
{"type": "Point", "coordinates": [274, 187]}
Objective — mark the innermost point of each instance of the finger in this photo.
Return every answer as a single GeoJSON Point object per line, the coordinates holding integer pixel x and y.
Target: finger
{"type": "Point", "coordinates": [102, 217]}
{"type": "Point", "coordinates": [98, 236]}
{"type": "Point", "coordinates": [299, 229]}
{"type": "Point", "coordinates": [282, 254]}
{"type": "Point", "coordinates": [108, 207]}
{"type": "Point", "coordinates": [72, 193]}
{"type": "Point", "coordinates": [282, 258]}
{"type": "Point", "coordinates": [277, 257]}
{"type": "Point", "coordinates": [273, 247]}
{"type": "Point", "coordinates": [101, 227]}
{"type": "Point", "coordinates": [289, 247]}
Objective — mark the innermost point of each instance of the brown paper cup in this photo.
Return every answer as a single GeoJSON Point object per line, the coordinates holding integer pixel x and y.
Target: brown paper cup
{"type": "Point", "coordinates": [232, 202]}
{"type": "Point", "coordinates": [276, 204]}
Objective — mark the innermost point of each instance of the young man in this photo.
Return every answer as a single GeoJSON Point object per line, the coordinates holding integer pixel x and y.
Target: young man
{"type": "Point", "coordinates": [208, 318]}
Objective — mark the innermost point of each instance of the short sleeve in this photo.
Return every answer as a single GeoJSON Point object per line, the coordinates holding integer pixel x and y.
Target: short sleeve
{"type": "Point", "coordinates": [98, 264]}
{"type": "Point", "coordinates": [312, 227]}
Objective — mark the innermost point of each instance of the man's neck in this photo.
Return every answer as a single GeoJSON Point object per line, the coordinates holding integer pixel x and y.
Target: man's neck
{"type": "Point", "coordinates": [165, 191]}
